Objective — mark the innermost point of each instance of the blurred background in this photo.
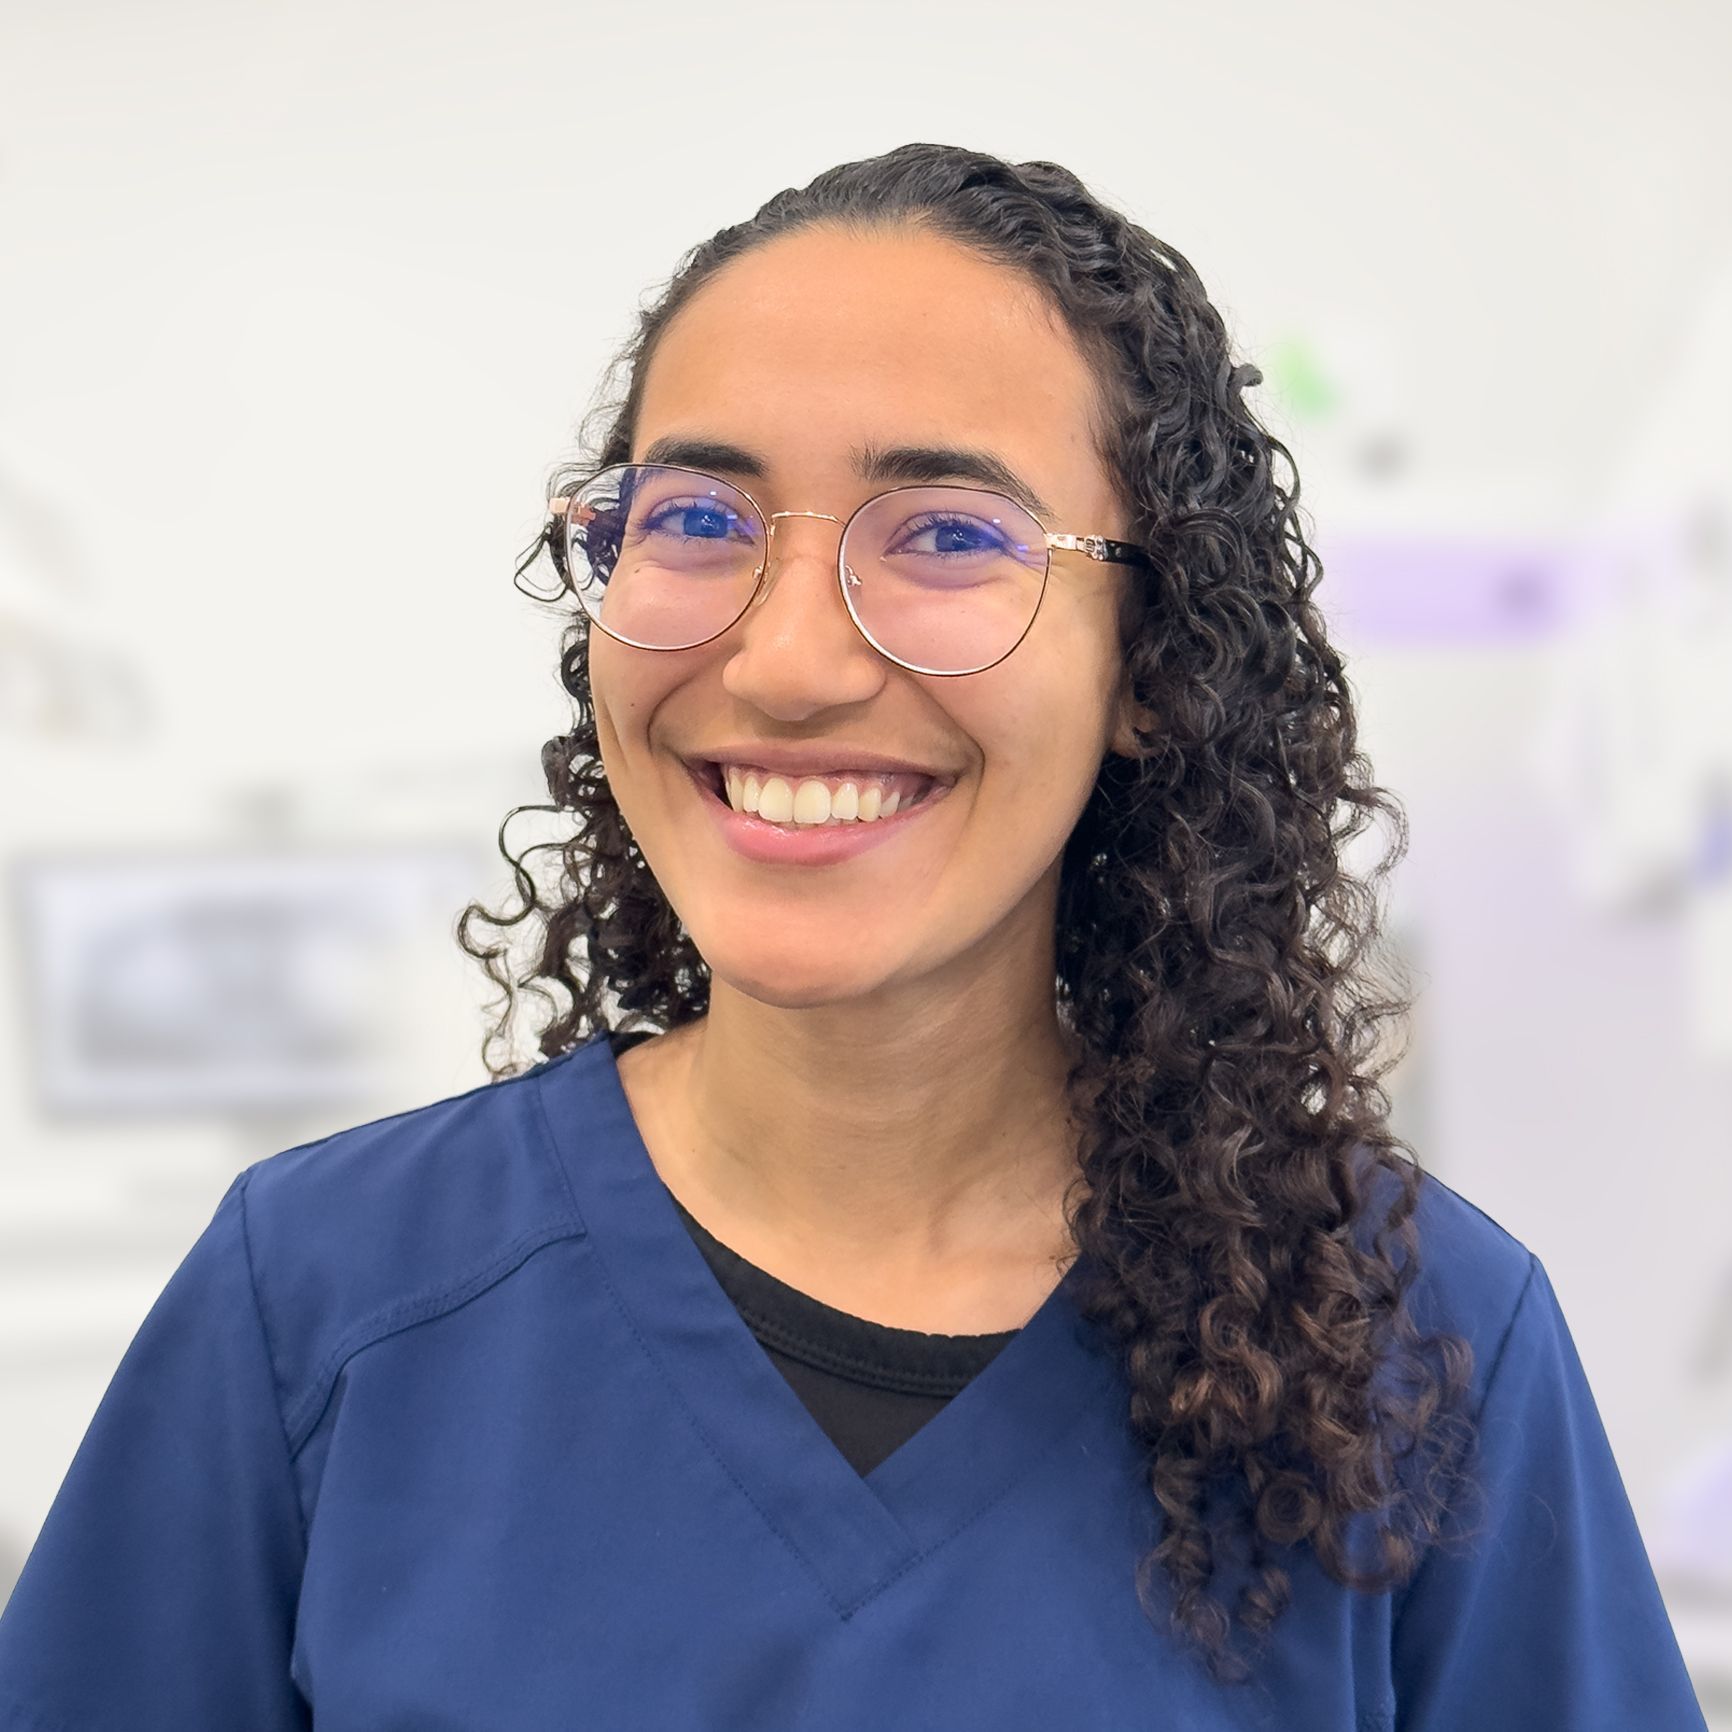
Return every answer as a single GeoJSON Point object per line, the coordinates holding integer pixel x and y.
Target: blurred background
{"type": "Point", "coordinates": [299, 305]}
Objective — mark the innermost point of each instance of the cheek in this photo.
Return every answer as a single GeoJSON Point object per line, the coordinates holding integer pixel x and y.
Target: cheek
{"type": "Point", "coordinates": [1042, 757]}
{"type": "Point", "coordinates": [1082, 696]}
{"type": "Point", "coordinates": [603, 692]}
{"type": "Point", "coordinates": [624, 700]}
{"type": "Point", "coordinates": [625, 686]}
{"type": "Point", "coordinates": [1046, 787]}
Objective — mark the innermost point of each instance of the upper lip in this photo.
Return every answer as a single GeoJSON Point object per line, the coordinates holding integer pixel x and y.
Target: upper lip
{"type": "Point", "coordinates": [817, 760]}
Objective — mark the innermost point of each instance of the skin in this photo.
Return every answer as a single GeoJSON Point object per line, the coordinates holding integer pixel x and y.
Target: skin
{"type": "Point", "coordinates": [873, 1108]}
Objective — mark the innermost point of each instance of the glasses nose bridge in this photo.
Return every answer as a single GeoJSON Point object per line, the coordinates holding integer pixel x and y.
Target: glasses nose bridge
{"type": "Point", "coordinates": [770, 533]}
{"type": "Point", "coordinates": [828, 516]}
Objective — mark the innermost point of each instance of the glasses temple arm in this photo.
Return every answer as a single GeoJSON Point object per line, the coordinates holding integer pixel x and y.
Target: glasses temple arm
{"type": "Point", "coordinates": [1103, 548]}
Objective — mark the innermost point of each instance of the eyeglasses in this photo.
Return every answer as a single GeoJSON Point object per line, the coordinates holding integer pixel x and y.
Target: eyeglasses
{"type": "Point", "coordinates": [941, 579]}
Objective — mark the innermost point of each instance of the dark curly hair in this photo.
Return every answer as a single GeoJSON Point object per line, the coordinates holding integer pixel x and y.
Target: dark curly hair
{"type": "Point", "coordinates": [1220, 969]}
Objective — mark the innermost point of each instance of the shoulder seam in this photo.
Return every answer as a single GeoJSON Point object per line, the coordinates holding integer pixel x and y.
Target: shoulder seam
{"type": "Point", "coordinates": [1495, 1365]}
{"type": "Point", "coordinates": [550, 1145]}
{"type": "Point", "coordinates": [406, 1313]}
{"type": "Point", "coordinates": [1504, 1341]}
{"type": "Point", "coordinates": [1468, 1203]}
{"type": "Point", "coordinates": [270, 1351]}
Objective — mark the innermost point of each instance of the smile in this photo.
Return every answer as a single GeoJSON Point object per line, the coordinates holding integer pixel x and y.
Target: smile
{"type": "Point", "coordinates": [848, 797]}
{"type": "Point", "coordinates": [883, 809]}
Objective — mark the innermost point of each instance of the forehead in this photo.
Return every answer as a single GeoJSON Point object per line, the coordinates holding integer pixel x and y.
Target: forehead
{"type": "Point", "coordinates": [825, 336]}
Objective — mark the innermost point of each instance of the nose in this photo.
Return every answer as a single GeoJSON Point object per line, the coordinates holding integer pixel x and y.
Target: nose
{"type": "Point", "coordinates": [783, 550]}
{"type": "Point", "coordinates": [798, 650]}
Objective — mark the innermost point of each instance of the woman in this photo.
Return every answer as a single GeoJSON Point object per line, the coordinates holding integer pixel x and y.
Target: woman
{"type": "Point", "coordinates": [983, 1289]}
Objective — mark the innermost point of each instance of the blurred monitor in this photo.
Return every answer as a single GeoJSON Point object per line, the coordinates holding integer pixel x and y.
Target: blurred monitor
{"type": "Point", "coordinates": [237, 980]}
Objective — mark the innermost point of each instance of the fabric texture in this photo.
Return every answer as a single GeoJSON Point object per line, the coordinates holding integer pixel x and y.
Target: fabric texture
{"type": "Point", "coordinates": [445, 1423]}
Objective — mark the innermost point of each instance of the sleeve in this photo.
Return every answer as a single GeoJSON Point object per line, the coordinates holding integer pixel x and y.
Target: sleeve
{"type": "Point", "coordinates": [1544, 1610]}
{"type": "Point", "coordinates": [162, 1588]}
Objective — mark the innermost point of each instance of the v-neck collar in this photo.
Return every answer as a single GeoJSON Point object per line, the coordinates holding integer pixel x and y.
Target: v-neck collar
{"type": "Point", "coordinates": [798, 1326]}
{"type": "Point", "coordinates": [854, 1533]}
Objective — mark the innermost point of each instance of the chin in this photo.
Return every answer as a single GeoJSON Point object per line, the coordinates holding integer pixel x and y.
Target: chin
{"type": "Point", "coordinates": [803, 982]}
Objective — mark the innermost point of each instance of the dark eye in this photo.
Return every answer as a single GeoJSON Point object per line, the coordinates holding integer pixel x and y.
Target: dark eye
{"type": "Point", "coordinates": [946, 533]}
{"type": "Point", "coordinates": [695, 519]}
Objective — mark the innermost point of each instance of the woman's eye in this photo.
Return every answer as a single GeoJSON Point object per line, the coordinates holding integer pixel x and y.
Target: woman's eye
{"type": "Point", "coordinates": [948, 535]}
{"type": "Point", "coordinates": [698, 519]}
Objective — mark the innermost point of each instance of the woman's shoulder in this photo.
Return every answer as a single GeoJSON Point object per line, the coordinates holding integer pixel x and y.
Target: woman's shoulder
{"type": "Point", "coordinates": [390, 1222]}
{"type": "Point", "coordinates": [1471, 1272]}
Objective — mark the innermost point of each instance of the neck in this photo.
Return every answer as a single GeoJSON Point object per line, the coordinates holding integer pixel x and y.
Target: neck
{"type": "Point", "coordinates": [894, 1162]}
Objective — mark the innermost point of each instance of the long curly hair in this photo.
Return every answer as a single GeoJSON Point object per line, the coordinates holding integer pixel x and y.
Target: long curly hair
{"type": "Point", "coordinates": [1220, 967]}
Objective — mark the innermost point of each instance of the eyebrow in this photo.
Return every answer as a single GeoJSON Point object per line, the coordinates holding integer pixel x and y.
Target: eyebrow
{"type": "Point", "coordinates": [872, 462]}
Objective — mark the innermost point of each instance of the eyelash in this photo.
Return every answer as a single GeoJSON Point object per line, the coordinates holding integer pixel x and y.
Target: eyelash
{"type": "Point", "coordinates": [940, 520]}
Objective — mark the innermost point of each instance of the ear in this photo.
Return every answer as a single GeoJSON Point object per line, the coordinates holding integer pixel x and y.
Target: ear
{"type": "Point", "coordinates": [1130, 716]}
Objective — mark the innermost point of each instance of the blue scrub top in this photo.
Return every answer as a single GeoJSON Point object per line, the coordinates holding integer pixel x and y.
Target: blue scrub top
{"type": "Point", "coordinates": [444, 1423]}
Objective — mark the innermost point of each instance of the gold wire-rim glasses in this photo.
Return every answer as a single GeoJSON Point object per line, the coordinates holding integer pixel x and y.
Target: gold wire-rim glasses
{"type": "Point", "coordinates": [1103, 549]}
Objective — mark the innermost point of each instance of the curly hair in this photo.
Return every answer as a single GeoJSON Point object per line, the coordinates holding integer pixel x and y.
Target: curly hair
{"type": "Point", "coordinates": [1220, 968]}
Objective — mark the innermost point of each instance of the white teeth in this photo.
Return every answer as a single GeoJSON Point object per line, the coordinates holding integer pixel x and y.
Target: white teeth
{"type": "Point", "coordinates": [810, 801]}
{"type": "Point", "coordinates": [776, 802]}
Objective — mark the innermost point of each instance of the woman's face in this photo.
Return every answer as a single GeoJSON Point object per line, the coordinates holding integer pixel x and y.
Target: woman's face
{"type": "Point", "coordinates": [800, 352]}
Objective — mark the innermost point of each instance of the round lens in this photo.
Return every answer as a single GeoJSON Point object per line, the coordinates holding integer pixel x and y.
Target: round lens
{"type": "Point", "coordinates": [660, 556]}
{"type": "Point", "coordinates": [945, 579]}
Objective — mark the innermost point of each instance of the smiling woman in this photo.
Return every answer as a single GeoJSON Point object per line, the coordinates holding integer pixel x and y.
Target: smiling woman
{"type": "Point", "coordinates": [951, 1265]}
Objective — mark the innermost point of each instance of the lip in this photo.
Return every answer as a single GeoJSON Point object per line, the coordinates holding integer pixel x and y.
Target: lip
{"type": "Point", "coordinates": [805, 761]}
{"type": "Point", "coordinates": [821, 845]}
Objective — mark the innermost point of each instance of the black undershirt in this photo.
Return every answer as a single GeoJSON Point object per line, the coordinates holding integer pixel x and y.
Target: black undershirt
{"type": "Point", "coordinates": [869, 1386]}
